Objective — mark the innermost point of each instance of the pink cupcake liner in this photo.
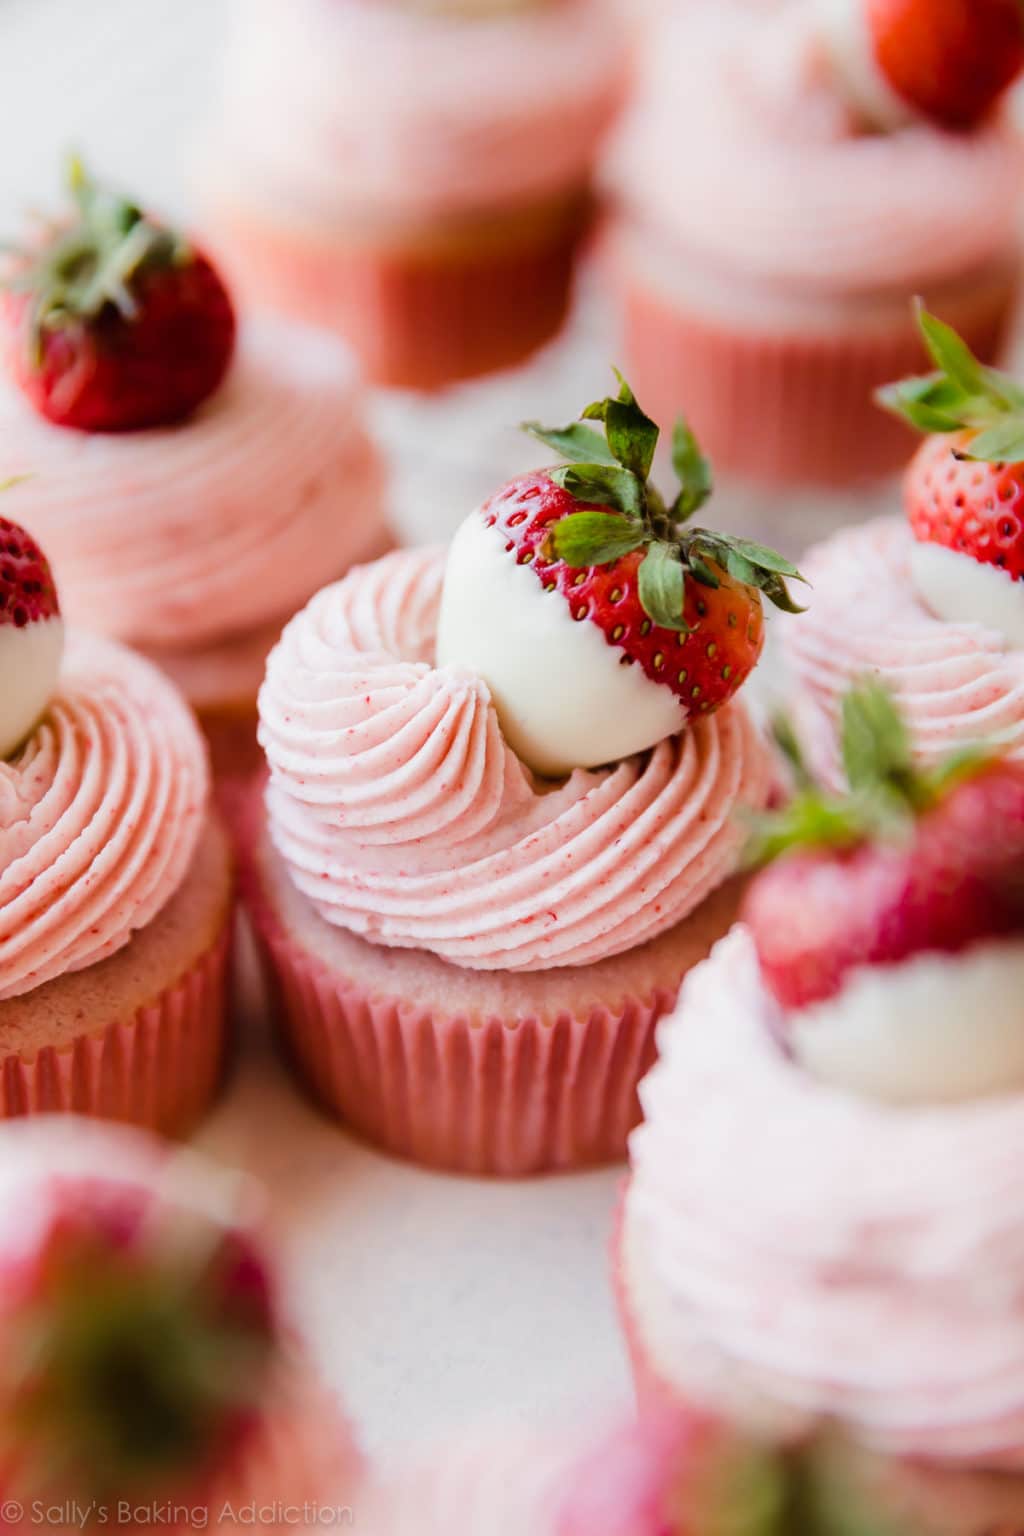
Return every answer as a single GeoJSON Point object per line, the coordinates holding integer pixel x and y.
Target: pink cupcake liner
{"type": "Point", "coordinates": [417, 319]}
{"type": "Point", "coordinates": [501, 1097]}
{"type": "Point", "coordinates": [790, 408]}
{"type": "Point", "coordinates": [159, 1068]}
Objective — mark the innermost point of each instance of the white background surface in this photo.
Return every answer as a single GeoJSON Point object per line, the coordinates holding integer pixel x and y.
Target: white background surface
{"type": "Point", "coordinates": [430, 1302]}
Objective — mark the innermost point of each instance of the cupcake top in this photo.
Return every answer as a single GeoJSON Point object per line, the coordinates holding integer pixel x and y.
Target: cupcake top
{"type": "Point", "coordinates": [185, 488]}
{"type": "Point", "coordinates": [396, 112]}
{"type": "Point", "coordinates": [401, 795]}
{"type": "Point", "coordinates": [764, 168]}
{"type": "Point", "coordinates": [180, 536]}
{"type": "Point", "coordinates": [866, 1009]}
{"type": "Point", "coordinates": [934, 603]}
{"type": "Point", "coordinates": [101, 809]}
{"type": "Point", "coordinates": [886, 1292]}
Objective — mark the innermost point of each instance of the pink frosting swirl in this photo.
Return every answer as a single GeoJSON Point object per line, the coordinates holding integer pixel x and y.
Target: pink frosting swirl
{"type": "Point", "coordinates": [190, 534]}
{"type": "Point", "coordinates": [742, 149]}
{"type": "Point", "coordinates": [403, 815]}
{"type": "Point", "coordinates": [956, 682]}
{"type": "Point", "coordinates": [100, 815]}
{"type": "Point", "coordinates": [794, 1252]}
{"type": "Point", "coordinates": [357, 110]}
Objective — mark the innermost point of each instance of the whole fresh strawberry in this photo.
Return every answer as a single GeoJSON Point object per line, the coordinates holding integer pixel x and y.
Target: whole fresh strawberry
{"type": "Point", "coordinates": [889, 924]}
{"type": "Point", "coordinates": [947, 60]}
{"type": "Point", "coordinates": [31, 635]}
{"type": "Point", "coordinates": [115, 322]}
{"type": "Point", "coordinates": [601, 620]}
{"type": "Point", "coordinates": [137, 1340]}
{"type": "Point", "coordinates": [964, 489]}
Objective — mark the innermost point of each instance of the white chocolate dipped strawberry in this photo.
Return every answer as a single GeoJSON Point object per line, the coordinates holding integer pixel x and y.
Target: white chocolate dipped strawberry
{"type": "Point", "coordinates": [945, 60]}
{"type": "Point", "coordinates": [889, 924]}
{"type": "Point", "coordinates": [600, 619]}
{"type": "Point", "coordinates": [31, 635]}
{"type": "Point", "coordinates": [964, 489]}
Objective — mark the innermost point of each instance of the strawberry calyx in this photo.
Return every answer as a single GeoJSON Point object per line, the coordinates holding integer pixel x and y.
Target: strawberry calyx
{"type": "Point", "coordinates": [135, 1358]}
{"type": "Point", "coordinates": [92, 262]}
{"type": "Point", "coordinates": [887, 792]}
{"type": "Point", "coordinates": [613, 471]}
{"type": "Point", "coordinates": [961, 395]}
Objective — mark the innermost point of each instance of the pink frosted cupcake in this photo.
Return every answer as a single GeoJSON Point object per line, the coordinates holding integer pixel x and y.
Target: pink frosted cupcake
{"type": "Point", "coordinates": [116, 883]}
{"type": "Point", "coordinates": [823, 1224]}
{"type": "Point", "coordinates": [666, 1477]}
{"type": "Point", "coordinates": [416, 175]}
{"type": "Point", "coordinates": [933, 603]}
{"type": "Point", "coordinates": [191, 498]}
{"type": "Point", "coordinates": [145, 1366]}
{"type": "Point", "coordinates": [501, 817]}
{"type": "Point", "coordinates": [769, 235]}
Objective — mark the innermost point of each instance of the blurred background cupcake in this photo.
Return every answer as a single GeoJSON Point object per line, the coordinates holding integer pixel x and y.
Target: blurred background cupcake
{"type": "Point", "coordinates": [415, 175]}
{"type": "Point", "coordinates": [784, 184]}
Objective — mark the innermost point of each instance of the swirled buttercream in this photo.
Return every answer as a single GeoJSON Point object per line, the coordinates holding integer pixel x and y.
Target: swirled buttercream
{"type": "Point", "coordinates": [779, 182]}
{"type": "Point", "coordinates": [403, 815]}
{"type": "Point", "coordinates": [100, 815]}
{"type": "Point", "coordinates": [793, 1252]}
{"type": "Point", "coordinates": [190, 534]}
{"type": "Point", "coordinates": [956, 682]}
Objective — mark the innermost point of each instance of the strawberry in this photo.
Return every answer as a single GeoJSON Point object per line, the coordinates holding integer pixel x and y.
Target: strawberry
{"type": "Point", "coordinates": [681, 604]}
{"type": "Point", "coordinates": [137, 1340]}
{"type": "Point", "coordinates": [31, 634]}
{"type": "Point", "coordinates": [910, 862]}
{"type": "Point", "coordinates": [950, 60]}
{"type": "Point", "coordinates": [964, 489]}
{"type": "Point", "coordinates": [116, 324]}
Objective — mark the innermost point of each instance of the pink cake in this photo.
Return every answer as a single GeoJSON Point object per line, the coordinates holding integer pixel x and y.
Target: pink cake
{"type": "Point", "coordinates": [767, 243]}
{"type": "Point", "coordinates": [416, 176]}
{"type": "Point", "coordinates": [193, 481]}
{"type": "Point", "coordinates": [822, 1229]}
{"type": "Point", "coordinates": [502, 813]}
{"type": "Point", "coordinates": [932, 604]}
{"type": "Point", "coordinates": [117, 1254]}
{"type": "Point", "coordinates": [116, 890]}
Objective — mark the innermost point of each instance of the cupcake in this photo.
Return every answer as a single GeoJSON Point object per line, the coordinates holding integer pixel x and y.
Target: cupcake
{"type": "Point", "coordinates": [501, 814]}
{"type": "Point", "coordinates": [147, 1377]}
{"type": "Point", "coordinates": [822, 1227]}
{"type": "Point", "coordinates": [932, 603]}
{"type": "Point", "coordinates": [116, 890]}
{"type": "Point", "coordinates": [415, 175]}
{"type": "Point", "coordinates": [191, 494]}
{"type": "Point", "coordinates": [783, 186]}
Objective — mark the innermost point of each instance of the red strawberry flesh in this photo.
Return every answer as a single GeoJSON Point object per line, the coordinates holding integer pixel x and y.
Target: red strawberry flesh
{"type": "Point", "coordinates": [27, 590]}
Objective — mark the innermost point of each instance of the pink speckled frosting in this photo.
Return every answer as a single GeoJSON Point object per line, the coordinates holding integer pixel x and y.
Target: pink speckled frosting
{"type": "Point", "coordinates": [190, 534]}
{"type": "Point", "coordinates": [353, 109]}
{"type": "Point", "coordinates": [100, 815]}
{"type": "Point", "coordinates": [403, 815]}
{"type": "Point", "coordinates": [792, 1252]}
{"type": "Point", "coordinates": [955, 682]}
{"type": "Point", "coordinates": [742, 149]}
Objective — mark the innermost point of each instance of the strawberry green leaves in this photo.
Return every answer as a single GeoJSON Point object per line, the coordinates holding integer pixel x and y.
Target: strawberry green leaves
{"type": "Point", "coordinates": [614, 472]}
{"type": "Point", "coordinates": [595, 538]}
{"type": "Point", "coordinates": [632, 435]}
{"type": "Point", "coordinates": [887, 790]}
{"type": "Point", "coordinates": [961, 395]}
{"type": "Point", "coordinates": [693, 472]}
{"type": "Point", "coordinates": [662, 586]}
